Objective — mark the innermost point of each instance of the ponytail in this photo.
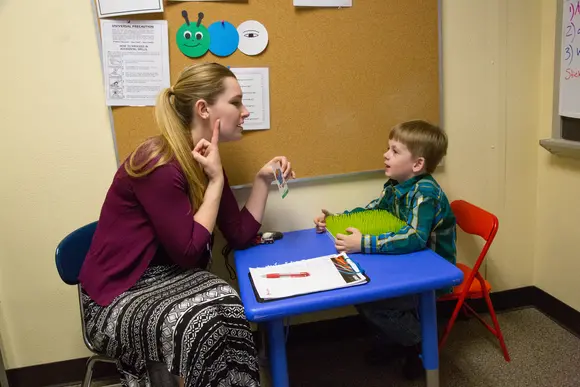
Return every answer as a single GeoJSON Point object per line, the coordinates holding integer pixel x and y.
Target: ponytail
{"type": "Point", "coordinates": [174, 117]}
{"type": "Point", "coordinates": [175, 142]}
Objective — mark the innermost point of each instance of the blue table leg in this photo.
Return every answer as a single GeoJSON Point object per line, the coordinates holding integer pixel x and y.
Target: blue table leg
{"type": "Point", "coordinates": [430, 349]}
{"type": "Point", "coordinates": [277, 352]}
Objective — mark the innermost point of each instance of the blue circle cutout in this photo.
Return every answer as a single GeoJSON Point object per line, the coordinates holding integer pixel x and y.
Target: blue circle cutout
{"type": "Point", "coordinates": [224, 38]}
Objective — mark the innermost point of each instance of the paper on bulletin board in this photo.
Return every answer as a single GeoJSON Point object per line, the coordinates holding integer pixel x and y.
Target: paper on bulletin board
{"type": "Point", "coordinates": [135, 61]}
{"type": "Point", "coordinates": [323, 3]}
{"type": "Point", "coordinates": [108, 8]}
{"type": "Point", "coordinates": [255, 84]}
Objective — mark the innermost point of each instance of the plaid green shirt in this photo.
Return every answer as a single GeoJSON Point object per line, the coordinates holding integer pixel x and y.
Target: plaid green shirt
{"type": "Point", "coordinates": [421, 203]}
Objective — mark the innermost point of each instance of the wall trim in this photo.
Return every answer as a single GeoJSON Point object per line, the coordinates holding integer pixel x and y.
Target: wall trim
{"type": "Point", "coordinates": [72, 371]}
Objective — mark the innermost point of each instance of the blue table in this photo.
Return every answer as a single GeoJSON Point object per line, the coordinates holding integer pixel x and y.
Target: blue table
{"type": "Point", "coordinates": [394, 275]}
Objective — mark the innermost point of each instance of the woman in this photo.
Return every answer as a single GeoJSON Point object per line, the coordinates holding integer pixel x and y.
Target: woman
{"type": "Point", "coordinates": [147, 298]}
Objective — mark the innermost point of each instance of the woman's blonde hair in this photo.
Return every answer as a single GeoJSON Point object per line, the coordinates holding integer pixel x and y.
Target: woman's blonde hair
{"type": "Point", "coordinates": [174, 116]}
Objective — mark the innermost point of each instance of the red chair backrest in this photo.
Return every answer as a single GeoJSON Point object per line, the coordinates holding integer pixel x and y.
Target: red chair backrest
{"type": "Point", "coordinates": [476, 221]}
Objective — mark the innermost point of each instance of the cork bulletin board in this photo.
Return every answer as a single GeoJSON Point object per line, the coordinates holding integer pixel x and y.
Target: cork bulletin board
{"type": "Point", "coordinates": [339, 79]}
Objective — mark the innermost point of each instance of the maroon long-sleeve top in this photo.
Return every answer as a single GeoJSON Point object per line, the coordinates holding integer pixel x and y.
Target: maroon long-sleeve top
{"type": "Point", "coordinates": [149, 220]}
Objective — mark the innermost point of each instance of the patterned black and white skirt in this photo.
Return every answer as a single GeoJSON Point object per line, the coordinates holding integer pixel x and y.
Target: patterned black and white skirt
{"type": "Point", "coordinates": [190, 320]}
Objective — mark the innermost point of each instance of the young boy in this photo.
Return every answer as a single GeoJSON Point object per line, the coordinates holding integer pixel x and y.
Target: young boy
{"type": "Point", "coordinates": [413, 195]}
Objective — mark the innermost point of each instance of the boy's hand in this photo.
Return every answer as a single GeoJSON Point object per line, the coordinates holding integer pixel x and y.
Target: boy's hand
{"type": "Point", "coordinates": [320, 221]}
{"type": "Point", "coordinates": [349, 243]}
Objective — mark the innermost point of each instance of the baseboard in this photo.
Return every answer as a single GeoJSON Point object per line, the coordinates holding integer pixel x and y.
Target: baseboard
{"type": "Point", "coordinates": [504, 300]}
{"type": "Point", "coordinates": [58, 373]}
{"type": "Point", "coordinates": [560, 312]}
{"type": "Point", "coordinates": [72, 371]}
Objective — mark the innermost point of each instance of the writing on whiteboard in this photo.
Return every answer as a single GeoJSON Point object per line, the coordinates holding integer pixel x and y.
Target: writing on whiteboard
{"type": "Point", "coordinates": [569, 98]}
{"type": "Point", "coordinates": [572, 74]}
{"type": "Point", "coordinates": [573, 9]}
{"type": "Point", "coordinates": [571, 51]}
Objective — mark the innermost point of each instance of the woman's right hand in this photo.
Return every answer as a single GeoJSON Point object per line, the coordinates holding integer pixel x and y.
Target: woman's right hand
{"type": "Point", "coordinates": [207, 154]}
{"type": "Point", "coordinates": [320, 221]}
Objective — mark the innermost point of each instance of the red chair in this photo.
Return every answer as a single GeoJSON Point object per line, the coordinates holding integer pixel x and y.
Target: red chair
{"type": "Point", "coordinates": [476, 221]}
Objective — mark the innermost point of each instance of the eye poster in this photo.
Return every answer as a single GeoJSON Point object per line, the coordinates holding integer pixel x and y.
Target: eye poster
{"type": "Point", "coordinates": [253, 37]}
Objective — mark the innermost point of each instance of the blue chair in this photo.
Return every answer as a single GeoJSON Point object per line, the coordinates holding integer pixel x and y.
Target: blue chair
{"type": "Point", "coordinates": [70, 255]}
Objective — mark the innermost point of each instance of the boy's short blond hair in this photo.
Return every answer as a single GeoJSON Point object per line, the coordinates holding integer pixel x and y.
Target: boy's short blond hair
{"type": "Point", "coordinates": [423, 140]}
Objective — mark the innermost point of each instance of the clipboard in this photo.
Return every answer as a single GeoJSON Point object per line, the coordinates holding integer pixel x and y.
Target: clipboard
{"type": "Point", "coordinates": [329, 272]}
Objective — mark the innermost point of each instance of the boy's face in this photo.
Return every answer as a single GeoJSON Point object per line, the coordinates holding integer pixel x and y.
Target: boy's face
{"type": "Point", "coordinates": [400, 164]}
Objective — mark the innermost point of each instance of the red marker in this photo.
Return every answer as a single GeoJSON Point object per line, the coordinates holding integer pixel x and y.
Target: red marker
{"type": "Point", "coordinates": [291, 275]}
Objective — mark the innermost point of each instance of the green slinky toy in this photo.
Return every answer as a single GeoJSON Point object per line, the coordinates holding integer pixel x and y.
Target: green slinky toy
{"type": "Point", "coordinates": [373, 222]}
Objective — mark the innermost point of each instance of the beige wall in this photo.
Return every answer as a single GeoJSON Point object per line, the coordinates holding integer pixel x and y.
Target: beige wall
{"type": "Point", "coordinates": [486, 103]}
{"type": "Point", "coordinates": [557, 259]}
{"type": "Point", "coordinates": [57, 161]}
{"type": "Point", "coordinates": [58, 152]}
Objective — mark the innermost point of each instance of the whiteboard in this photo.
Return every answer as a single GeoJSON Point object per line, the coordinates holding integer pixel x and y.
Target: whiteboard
{"type": "Point", "coordinates": [570, 60]}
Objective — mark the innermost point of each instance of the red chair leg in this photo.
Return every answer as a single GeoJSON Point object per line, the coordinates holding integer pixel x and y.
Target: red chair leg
{"type": "Point", "coordinates": [465, 311]}
{"type": "Point", "coordinates": [498, 333]}
{"type": "Point", "coordinates": [447, 331]}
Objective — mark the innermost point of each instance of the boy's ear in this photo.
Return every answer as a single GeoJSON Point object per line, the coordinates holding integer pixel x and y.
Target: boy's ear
{"type": "Point", "coordinates": [419, 165]}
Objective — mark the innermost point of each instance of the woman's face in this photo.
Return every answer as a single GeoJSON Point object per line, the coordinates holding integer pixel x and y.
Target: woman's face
{"type": "Point", "coordinates": [230, 110]}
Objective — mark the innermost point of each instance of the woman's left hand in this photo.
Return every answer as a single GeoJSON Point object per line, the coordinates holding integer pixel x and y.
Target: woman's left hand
{"type": "Point", "coordinates": [267, 173]}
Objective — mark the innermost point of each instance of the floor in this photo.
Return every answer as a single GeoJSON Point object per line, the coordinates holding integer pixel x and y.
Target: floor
{"type": "Point", "coordinates": [543, 354]}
